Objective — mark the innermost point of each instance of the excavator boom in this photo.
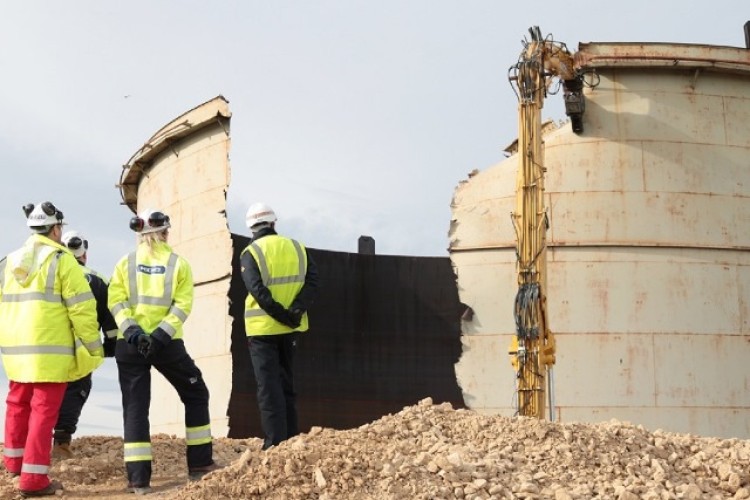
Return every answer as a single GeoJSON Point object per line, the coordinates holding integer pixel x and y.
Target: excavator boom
{"type": "Point", "coordinates": [533, 347]}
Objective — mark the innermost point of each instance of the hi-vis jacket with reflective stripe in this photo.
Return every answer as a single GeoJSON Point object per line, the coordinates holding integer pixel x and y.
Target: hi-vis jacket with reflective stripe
{"type": "Point", "coordinates": [282, 263]}
{"type": "Point", "coordinates": [152, 288]}
{"type": "Point", "coordinates": [47, 310]}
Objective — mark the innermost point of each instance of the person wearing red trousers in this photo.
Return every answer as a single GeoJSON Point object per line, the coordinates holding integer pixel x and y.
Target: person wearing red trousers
{"type": "Point", "coordinates": [48, 336]}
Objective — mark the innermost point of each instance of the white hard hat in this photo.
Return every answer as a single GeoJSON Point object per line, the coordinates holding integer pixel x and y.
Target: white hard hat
{"type": "Point", "coordinates": [259, 213]}
{"type": "Point", "coordinates": [41, 216]}
{"type": "Point", "coordinates": [76, 242]}
{"type": "Point", "coordinates": [150, 221]}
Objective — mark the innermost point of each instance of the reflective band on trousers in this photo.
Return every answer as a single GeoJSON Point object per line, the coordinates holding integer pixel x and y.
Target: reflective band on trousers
{"type": "Point", "coordinates": [166, 299]}
{"type": "Point", "coordinates": [198, 435]}
{"type": "Point", "coordinates": [137, 452]}
{"type": "Point", "coordinates": [34, 469]}
{"type": "Point", "coordinates": [13, 452]}
{"type": "Point", "coordinates": [281, 280]}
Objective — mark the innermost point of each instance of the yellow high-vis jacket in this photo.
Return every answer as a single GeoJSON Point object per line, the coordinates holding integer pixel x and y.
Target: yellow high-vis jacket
{"type": "Point", "coordinates": [282, 264]}
{"type": "Point", "coordinates": [151, 288]}
{"type": "Point", "coordinates": [48, 326]}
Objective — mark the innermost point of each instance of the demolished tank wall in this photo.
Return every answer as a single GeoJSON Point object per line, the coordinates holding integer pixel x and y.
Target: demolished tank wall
{"type": "Point", "coordinates": [648, 261]}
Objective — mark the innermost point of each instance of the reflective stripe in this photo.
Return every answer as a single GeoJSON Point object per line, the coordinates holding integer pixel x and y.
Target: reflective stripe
{"type": "Point", "coordinates": [198, 435]}
{"type": "Point", "coordinates": [181, 315]}
{"type": "Point", "coordinates": [251, 313]}
{"type": "Point", "coordinates": [95, 344]}
{"type": "Point", "coordinates": [166, 299]}
{"type": "Point", "coordinates": [127, 323]}
{"type": "Point", "coordinates": [23, 297]}
{"type": "Point", "coordinates": [132, 277]}
{"type": "Point", "coordinates": [137, 452]}
{"type": "Point", "coordinates": [111, 333]}
{"type": "Point", "coordinates": [168, 329]}
{"type": "Point", "coordinates": [262, 265]}
{"type": "Point", "coordinates": [13, 452]}
{"type": "Point", "coordinates": [81, 297]}
{"type": "Point", "coordinates": [286, 279]}
{"type": "Point", "coordinates": [2, 272]}
{"type": "Point", "coordinates": [36, 349]}
{"type": "Point", "coordinates": [48, 295]}
{"type": "Point", "coordinates": [35, 469]}
{"type": "Point", "coordinates": [119, 307]}
{"type": "Point", "coordinates": [281, 280]}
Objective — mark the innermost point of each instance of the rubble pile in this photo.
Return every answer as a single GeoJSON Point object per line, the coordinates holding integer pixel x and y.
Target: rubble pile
{"type": "Point", "coordinates": [429, 451]}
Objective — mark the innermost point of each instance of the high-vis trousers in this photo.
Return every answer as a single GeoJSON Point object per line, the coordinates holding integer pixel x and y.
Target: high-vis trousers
{"type": "Point", "coordinates": [272, 357]}
{"type": "Point", "coordinates": [75, 397]}
{"type": "Point", "coordinates": [30, 414]}
{"type": "Point", "coordinates": [135, 384]}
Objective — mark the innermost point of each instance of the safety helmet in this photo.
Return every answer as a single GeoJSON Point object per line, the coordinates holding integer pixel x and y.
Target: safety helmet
{"type": "Point", "coordinates": [76, 242]}
{"type": "Point", "coordinates": [42, 216]}
{"type": "Point", "coordinates": [150, 221]}
{"type": "Point", "coordinates": [259, 213]}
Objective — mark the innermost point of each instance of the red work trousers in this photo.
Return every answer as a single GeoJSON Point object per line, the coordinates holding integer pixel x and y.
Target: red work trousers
{"type": "Point", "coordinates": [30, 416]}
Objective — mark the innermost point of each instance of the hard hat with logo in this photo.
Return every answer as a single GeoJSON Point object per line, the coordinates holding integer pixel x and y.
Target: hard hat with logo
{"type": "Point", "coordinates": [150, 221]}
{"type": "Point", "coordinates": [41, 216]}
{"type": "Point", "coordinates": [259, 213]}
{"type": "Point", "coordinates": [76, 242]}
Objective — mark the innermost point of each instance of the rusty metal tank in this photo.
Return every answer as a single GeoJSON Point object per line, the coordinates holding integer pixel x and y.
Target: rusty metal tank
{"type": "Point", "coordinates": [648, 262]}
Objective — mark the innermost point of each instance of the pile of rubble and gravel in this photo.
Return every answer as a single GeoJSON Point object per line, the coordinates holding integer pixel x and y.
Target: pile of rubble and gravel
{"type": "Point", "coordinates": [432, 451]}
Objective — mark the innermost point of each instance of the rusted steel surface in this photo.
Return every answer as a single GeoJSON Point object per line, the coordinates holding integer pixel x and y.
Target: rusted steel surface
{"type": "Point", "coordinates": [648, 260]}
{"type": "Point", "coordinates": [665, 55]}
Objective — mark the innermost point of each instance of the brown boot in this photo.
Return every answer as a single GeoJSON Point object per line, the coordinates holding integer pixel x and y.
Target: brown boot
{"type": "Point", "coordinates": [195, 473]}
{"type": "Point", "coordinates": [62, 451]}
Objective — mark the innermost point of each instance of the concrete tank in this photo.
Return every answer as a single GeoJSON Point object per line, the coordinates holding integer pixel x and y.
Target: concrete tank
{"type": "Point", "coordinates": [648, 267]}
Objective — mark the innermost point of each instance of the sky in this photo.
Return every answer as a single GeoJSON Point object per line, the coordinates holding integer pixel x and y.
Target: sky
{"type": "Point", "coordinates": [349, 117]}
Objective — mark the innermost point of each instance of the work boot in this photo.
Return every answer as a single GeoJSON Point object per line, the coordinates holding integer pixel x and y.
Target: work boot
{"type": "Point", "coordinates": [140, 490]}
{"type": "Point", "coordinates": [50, 490]}
{"type": "Point", "coordinates": [195, 473]}
{"type": "Point", "coordinates": [62, 451]}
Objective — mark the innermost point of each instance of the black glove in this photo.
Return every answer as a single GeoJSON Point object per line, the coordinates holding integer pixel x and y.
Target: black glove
{"type": "Point", "coordinates": [144, 344]}
{"type": "Point", "coordinates": [132, 334]}
{"type": "Point", "coordinates": [154, 348]}
{"type": "Point", "coordinates": [109, 347]}
{"type": "Point", "coordinates": [295, 316]}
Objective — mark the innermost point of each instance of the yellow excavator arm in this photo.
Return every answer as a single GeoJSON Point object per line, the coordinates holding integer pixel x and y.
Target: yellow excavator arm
{"type": "Point", "coordinates": [533, 347]}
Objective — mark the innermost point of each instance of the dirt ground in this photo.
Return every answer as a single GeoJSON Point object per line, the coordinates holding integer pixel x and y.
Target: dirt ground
{"type": "Point", "coordinates": [429, 451]}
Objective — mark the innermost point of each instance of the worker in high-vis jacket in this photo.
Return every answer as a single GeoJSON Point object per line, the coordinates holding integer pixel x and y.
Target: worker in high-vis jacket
{"type": "Point", "coordinates": [282, 281]}
{"type": "Point", "coordinates": [78, 391]}
{"type": "Point", "coordinates": [48, 337]}
{"type": "Point", "coordinates": [151, 296]}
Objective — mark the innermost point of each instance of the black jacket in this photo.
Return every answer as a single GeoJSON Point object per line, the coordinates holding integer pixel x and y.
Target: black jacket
{"type": "Point", "coordinates": [103, 315]}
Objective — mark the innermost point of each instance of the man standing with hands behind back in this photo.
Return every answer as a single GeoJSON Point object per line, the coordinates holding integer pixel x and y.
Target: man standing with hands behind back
{"type": "Point", "coordinates": [282, 281]}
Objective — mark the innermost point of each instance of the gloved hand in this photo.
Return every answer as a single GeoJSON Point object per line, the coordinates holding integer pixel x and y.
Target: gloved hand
{"type": "Point", "coordinates": [144, 344]}
{"type": "Point", "coordinates": [154, 348]}
{"type": "Point", "coordinates": [295, 315]}
{"type": "Point", "coordinates": [109, 347]}
{"type": "Point", "coordinates": [132, 334]}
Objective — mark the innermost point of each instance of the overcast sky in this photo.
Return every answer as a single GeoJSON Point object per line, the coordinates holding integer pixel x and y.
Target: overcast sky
{"type": "Point", "coordinates": [349, 117]}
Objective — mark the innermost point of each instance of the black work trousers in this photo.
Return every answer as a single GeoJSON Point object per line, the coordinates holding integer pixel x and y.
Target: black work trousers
{"type": "Point", "coordinates": [75, 397]}
{"type": "Point", "coordinates": [176, 365]}
{"type": "Point", "coordinates": [273, 364]}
